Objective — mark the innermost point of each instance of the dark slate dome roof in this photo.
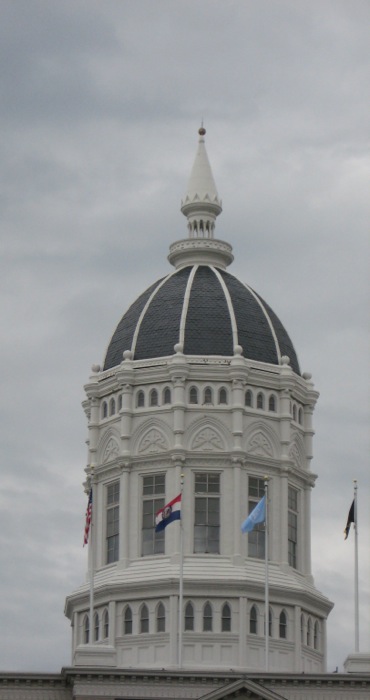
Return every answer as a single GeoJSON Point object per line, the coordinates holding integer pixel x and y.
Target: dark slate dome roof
{"type": "Point", "coordinates": [207, 310]}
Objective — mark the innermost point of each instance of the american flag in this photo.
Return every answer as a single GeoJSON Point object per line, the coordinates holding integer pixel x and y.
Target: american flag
{"type": "Point", "coordinates": [88, 518]}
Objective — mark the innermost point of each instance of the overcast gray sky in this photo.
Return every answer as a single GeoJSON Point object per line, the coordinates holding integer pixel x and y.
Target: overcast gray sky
{"type": "Point", "coordinates": [99, 110]}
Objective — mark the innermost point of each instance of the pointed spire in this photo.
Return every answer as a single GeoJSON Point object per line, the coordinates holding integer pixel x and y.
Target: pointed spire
{"type": "Point", "coordinates": [201, 204]}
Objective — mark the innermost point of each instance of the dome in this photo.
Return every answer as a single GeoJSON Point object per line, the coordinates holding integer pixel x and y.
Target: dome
{"type": "Point", "coordinates": [208, 311]}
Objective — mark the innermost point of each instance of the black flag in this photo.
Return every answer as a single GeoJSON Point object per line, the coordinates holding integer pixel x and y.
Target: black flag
{"type": "Point", "coordinates": [351, 519]}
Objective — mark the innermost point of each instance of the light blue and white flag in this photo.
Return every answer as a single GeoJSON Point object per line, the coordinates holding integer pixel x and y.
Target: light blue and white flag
{"type": "Point", "coordinates": [256, 516]}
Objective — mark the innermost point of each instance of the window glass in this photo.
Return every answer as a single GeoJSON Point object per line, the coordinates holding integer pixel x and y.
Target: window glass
{"type": "Point", "coordinates": [207, 513]}
{"type": "Point", "coordinates": [248, 398]}
{"type": "Point", "coordinates": [207, 395]}
{"type": "Point", "coordinates": [193, 395]}
{"type": "Point", "coordinates": [256, 538]}
{"type": "Point", "coordinates": [292, 526]}
{"type": "Point", "coordinates": [207, 618]}
{"type": "Point", "coordinates": [153, 397]}
{"type": "Point", "coordinates": [222, 397]}
{"type": "Point", "coordinates": [144, 619]}
{"type": "Point", "coordinates": [272, 403]}
{"type": "Point", "coordinates": [112, 522]}
{"type": "Point", "coordinates": [226, 618]}
{"type": "Point", "coordinates": [161, 618]}
{"type": "Point", "coordinates": [189, 617]}
{"type": "Point", "coordinates": [253, 620]}
{"type": "Point", "coordinates": [167, 395]}
{"type": "Point", "coordinates": [282, 625]}
{"type": "Point", "coordinates": [153, 501]}
{"type": "Point", "coordinates": [96, 627]}
{"type": "Point", "coordinates": [127, 622]}
{"type": "Point", "coordinates": [260, 400]}
{"type": "Point", "coordinates": [106, 624]}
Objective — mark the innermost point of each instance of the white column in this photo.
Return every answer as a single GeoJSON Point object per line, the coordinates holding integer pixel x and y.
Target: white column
{"type": "Point", "coordinates": [126, 417]}
{"type": "Point", "coordinates": [297, 639]}
{"type": "Point", "coordinates": [124, 516]}
{"type": "Point", "coordinates": [174, 615]}
{"type": "Point", "coordinates": [112, 623]}
{"type": "Point", "coordinates": [238, 498]}
{"type": "Point", "coordinates": [283, 556]}
{"type": "Point", "coordinates": [243, 631]}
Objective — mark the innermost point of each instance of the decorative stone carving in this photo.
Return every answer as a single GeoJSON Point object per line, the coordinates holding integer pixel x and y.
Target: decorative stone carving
{"type": "Point", "coordinates": [295, 455]}
{"type": "Point", "coordinates": [111, 451]}
{"type": "Point", "coordinates": [153, 442]}
{"type": "Point", "coordinates": [207, 440]}
{"type": "Point", "coordinates": [259, 445]}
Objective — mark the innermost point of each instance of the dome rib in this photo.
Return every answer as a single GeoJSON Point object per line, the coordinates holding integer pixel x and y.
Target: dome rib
{"type": "Point", "coordinates": [185, 307]}
{"type": "Point", "coordinates": [230, 307]}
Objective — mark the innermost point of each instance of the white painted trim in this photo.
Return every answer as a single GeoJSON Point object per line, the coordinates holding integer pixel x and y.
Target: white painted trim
{"type": "Point", "coordinates": [268, 319]}
{"type": "Point", "coordinates": [229, 306]}
{"type": "Point", "coordinates": [185, 305]}
{"type": "Point", "coordinates": [138, 325]}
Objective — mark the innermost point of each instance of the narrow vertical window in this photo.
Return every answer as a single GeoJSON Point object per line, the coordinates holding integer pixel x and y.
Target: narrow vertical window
{"type": "Point", "coordinates": [302, 629]}
{"type": "Point", "coordinates": [207, 618]}
{"type": "Point", "coordinates": [207, 513]}
{"type": "Point", "coordinates": [140, 399]}
{"type": "Point", "coordinates": [161, 618]}
{"type": "Point", "coordinates": [226, 618]}
{"type": "Point", "coordinates": [294, 412]}
{"type": "Point", "coordinates": [300, 416]}
{"type": "Point", "coordinates": [272, 403]}
{"type": "Point", "coordinates": [256, 538]}
{"type": "Point", "coordinates": [112, 407]}
{"type": "Point", "coordinates": [153, 397]}
{"type": "Point", "coordinates": [207, 397]}
{"type": "Point", "coordinates": [144, 619]}
{"type": "Point", "coordinates": [309, 631]}
{"type": "Point", "coordinates": [292, 526]}
{"type": "Point", "coordinates": [105, 624]}
{"type": "Point", "coordinates": [316, 635]}
{"type": "Point", "coordinates": [104, 409]}
{"type": "Point", "coordinates": [189, 617]}
{"type": "Point", "coordinates": [260, 400]}
{"type": "Point", "coordinates": [153, 501]}
{"type": "Point", "coordinates": [193, 395]}
{"type": "Point", "coordinates": [222, 396]}
{"type": "Point", "coordinates": [120, 402]}
{"type": "Point", "coordinates": [248, 400]}
{"type": "Point", "coordinates": [127, 621]}
{"type": "Point", "coordinates": [282, 625]}
{"type": "Point", "coordinates": [270, 622]}
{"type": "Point", "coordinates": [253, 626]}
{"type": "Point", "coordinates": [112, 536]}
{"type": "Point", "coordinates": [96, 627]}
{"type": "Point", "coordinates": [86, 629]}
{"type": "Point", "coordinates": [167, 395]}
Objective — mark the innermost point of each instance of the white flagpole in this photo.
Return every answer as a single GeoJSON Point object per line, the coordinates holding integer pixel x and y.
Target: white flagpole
{"type": "Point", "coordinates": [181, 580]}
{"type": "Point", "coordinates": [266, 579]}
{"type": "Point", "coordinates": [357, 616]}
{"type": "Point", "coordinates": [91, 555]}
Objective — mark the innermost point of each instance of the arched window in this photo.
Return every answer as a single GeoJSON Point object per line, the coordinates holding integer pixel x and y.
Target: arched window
{"type": "Point", "coordinates": [189, 617]}
{"type": "Point", "coordinates": [127, 621]}
{"type": "Point", "coordinates": [167, 395]}
{"type": "Point", "coordinates": [105, 624]}
{"type": "Point", "coordinates": [316, 632]}
{"type": "Point", "coordinates": [207, 618]}
{"type": "Point", "coordinates": [140, 399]}
{"type": "Point", "coordinates": [260, 400]}
{"type": "Point", "coordinates": [270, 622]}
{"type": "Point", "coordinates": [302, 629]}
{"type": "Point", "coordinates": [309, 632]}
{"type": "Point", "coordinates": [226, 618]}
{"type": "Point", "coordinates": [96, 627]}
{"type": "Point", "coordinates": [253, 625]}
{"type": "Point", "coordinates": [272, 403]}
{"type": "Point", "coordinates": [112, 407]}
{"type": "Point", "coordinates": [86, 629]}
{"type": "Point", "coordinates": [300, 416]}
{"type": "Point", "coordinates": [104, 409]}
{"type": "Point", "coordinates": [161, 618]}
{"type": "Point", "coordinates": [144, 619]}
{"type": "Point", "coordinates": [294, 412]}
{"type": "Point", "coordinates": [248, 398]}
{"type": "Point", "coordinates": [222, 395]}
{"type": "Point", "coordinates": [120, 402]}
{"type": "Point", "coordinates": [207, 396]}
{"type": "Point", "coordinates": [282, 625]}
{"type": "Point", "coordinates": [153, 397]}
{"type": "Point", "coordinates": [193, 395]}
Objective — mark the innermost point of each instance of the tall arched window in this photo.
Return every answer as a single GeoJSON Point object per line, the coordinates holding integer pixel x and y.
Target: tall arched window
{"type": "Point", "coordinates": [272, 403]}
{"type": "Point", "coordinates": [248, 400]}
{"type": "Point", "coordinates": [140, 399]}
{"type": "Point", "coordinates": [127, 621]}
{"type": "Point", "coordinates": [161, 618]}
{"type": "Point", "coordinates": [86, 629]}
{"type": "Point", "coordinates": [189, 617]}
{"type": "Point", "coordinates": [282, 625]}
{"type": "Point", "coordinates": [260, 400]}
{"type": "Point", "coordinates": [309, 632]}
{"type": "Point", "coordinates": [193, 395]}
{"type": "Point", "coordinates": [144, 619]}
{"type": "Point", "coordinates": [294, 412]}
{"type": "Point", "coordinates": [270, 622]}
{"type": "Point", "coordinates": [222, 395]}
{"type": "Point", "coordinates": [316, 632]}
{"type": "Point", "coordinates": [226, 618]}
{"type": "Point", "coordinates": [207, 618]}
{"type": "Point", "coordinates": [300, 416]}
{"type": "Point", "coordinates": [253, 618]}
{"type": "Point", "coordinates": [153, 397]}
{"type": "Point", "coordinates": [96, 627]}
{"type": "Point", "coordinates": [105, 624]}
{"type": "Point", "coordinates": [112, 407]}
{"type": "Point", "coordinates": [120, 402]}
{"type": "Point", "coordinates": [302, 629]}
{"type": "Point", "coordinates": [167, 395]}
{"type": "Point", "coordinates": [207, 396]}
{"type": "Point", "coordinates": [104, 409]}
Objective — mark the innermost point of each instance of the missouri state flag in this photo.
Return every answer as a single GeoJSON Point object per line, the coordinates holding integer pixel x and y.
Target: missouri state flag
{"type": "Point", "coordinates": [169, 513]}
{"type": "Point", "coordinates": [88, 518]}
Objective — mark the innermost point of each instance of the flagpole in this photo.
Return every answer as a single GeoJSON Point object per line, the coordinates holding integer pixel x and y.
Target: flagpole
{"type": "Point", "coordinates": [91, 555]}
{"type": "Point", "coordinates": [267, 620]}
{"type": "Point", "coordinates": [181, 578]}
{"type": "Point", "coordinates": [357, 616]}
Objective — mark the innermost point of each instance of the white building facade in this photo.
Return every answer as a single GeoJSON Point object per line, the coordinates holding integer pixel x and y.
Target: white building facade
{"type": "Point", "coordinates": [200, 392]}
